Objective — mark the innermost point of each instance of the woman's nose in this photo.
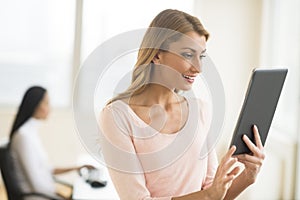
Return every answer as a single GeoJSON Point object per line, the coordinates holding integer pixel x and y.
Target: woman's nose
{"type": "Point", "coordinates": [197, 65]}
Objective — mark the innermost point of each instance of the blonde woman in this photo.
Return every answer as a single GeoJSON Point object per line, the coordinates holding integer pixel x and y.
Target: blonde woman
{"type": "Point", "coordinates": [145, 121]}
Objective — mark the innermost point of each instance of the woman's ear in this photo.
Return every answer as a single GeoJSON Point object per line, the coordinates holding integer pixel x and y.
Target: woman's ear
{"type": "Point", "coordinates": [156, 59]}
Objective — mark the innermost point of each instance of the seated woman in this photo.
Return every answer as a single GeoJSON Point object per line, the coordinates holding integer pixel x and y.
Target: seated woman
{"type": "Point", "coordinates": [33, 170]}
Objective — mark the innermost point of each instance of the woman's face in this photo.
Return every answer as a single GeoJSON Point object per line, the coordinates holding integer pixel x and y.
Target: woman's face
{"type": "Point", "coordinates": [43, 108]}
{"type": "Point", "coordinates": [181, 63]}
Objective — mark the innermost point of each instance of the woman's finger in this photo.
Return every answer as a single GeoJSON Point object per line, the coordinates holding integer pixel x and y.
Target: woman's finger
{"type": "Point", "coordinates": [227, 179]}
{"type": "Point", "coordinates": [251, 166]}
{"type": "Point", "coordinates": [254, 149]}
{"type": "Point", "coordinates": [228, 165]}
{"type": "Point", "coordinates": [257, 137]}
{"type": "Point", "coordinates": [249, 159]}
{"type": "Point", "coordinates": [227, 162]}
{"type": "Point", "coordinates": [229, 154]}
{"type": "Point", "coordinates": [235, 171]}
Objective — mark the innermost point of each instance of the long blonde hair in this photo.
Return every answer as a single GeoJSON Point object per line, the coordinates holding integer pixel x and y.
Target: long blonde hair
{"type": "Point", "coordinates": [165, 28]}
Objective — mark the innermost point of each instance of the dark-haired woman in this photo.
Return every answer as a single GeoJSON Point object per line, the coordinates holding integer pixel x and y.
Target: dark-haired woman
{"type": "Point", "coordinates": [33, 170]}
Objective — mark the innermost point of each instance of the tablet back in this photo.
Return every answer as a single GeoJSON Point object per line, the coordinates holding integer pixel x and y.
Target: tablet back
{"type": "Point", "coordinates": [259, 106]}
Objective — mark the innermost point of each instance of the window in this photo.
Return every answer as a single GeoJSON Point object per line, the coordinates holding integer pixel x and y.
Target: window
{"type": "Point", "coordinates": [36, 39]}
{"type": "Point", "coordinates": [281, 47]}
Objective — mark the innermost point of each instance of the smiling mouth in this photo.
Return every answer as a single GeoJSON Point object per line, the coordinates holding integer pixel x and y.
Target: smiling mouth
{"type": "Point", "coordinates": [188, 78]}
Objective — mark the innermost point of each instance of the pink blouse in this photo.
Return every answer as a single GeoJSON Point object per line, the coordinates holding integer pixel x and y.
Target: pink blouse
{"type": "Point", "coordinates": [146, 164]}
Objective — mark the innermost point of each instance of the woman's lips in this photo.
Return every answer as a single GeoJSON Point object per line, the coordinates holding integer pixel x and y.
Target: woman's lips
{"type": "Point", "coordinates": [189, 78]}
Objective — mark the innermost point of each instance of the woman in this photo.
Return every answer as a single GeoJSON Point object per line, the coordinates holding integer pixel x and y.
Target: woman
{"type": "Point", "coordinates": [32, 168]}
{"type": "Point", "coordinates": [151, 116]}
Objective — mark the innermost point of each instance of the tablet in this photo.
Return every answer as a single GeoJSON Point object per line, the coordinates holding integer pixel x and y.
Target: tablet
{"type": "Point", "coordinates": [259, 106]}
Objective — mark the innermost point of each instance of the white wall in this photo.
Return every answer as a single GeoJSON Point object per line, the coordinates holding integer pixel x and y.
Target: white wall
{"type": "Point", "coordinates": [234, 27]}
{"type": "Point", "coordinates": [237, 29]}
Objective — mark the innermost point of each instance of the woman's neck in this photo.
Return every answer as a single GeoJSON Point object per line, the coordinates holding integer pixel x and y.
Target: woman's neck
{"type": "Point", "coordinates": [155, 94]}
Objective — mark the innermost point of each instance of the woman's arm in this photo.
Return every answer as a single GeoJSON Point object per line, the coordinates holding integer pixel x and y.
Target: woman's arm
{"type": "Point", "coordinates": [64, 170]}
{"type": "Point", "coordinates": [252, 164]}
{"type": "Point", "coordinates": [38, 178]}
{"type": "Point", "coordinates": [120, 156]}
{"type": "Point", "coordinates": [133, 186]}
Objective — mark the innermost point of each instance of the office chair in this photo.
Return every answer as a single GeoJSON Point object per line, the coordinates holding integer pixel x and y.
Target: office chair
{"type": "Point", "coordinates": [12, 186]}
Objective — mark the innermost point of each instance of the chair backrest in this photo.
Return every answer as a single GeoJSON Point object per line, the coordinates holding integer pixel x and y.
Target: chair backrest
{"type": "Point", "coordinates": [13, 189]}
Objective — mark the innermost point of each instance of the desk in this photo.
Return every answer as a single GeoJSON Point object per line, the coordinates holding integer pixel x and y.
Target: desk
{"type": "Point", "coordinates": [83, 190]}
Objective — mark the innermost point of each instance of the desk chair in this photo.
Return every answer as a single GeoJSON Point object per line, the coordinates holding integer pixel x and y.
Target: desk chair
{"type": "Point", "coordinates": [12, 186]}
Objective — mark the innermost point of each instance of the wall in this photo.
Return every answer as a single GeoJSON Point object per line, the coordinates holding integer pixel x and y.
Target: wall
{"type": "Point", "coordinates": [237, 28]}
{"type": "Point", "coordinates": [234, 27]}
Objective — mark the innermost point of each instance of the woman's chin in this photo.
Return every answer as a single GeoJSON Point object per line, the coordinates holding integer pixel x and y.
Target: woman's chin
{"type": "Point", "coordinates": [185, 88]}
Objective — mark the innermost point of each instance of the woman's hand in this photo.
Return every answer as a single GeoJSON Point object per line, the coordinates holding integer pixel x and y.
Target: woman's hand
{"type": "Point", "coordinates": [252, 162]}
{"type": "Point", "coordinates": [224, 176]}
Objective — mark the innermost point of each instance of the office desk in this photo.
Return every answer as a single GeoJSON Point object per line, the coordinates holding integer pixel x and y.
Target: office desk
{"type": "Point", "coordinates": [83, 191]}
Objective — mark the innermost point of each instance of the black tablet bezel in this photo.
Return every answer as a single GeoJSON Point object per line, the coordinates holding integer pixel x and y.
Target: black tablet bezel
{"type": "Point", "coordinates": [259, 106]}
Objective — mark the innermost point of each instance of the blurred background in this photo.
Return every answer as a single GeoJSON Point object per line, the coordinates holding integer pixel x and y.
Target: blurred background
{"type": "Point", "coordinates": [45, 43]}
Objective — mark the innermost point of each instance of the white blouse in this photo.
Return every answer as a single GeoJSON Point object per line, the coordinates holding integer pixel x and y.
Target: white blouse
{"type": "Point", "coordinates": [32, 167]}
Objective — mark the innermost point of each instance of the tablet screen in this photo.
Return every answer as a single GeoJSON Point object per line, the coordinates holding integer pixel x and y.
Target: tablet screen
{"type": "Point", "coordinates": [259, 106]}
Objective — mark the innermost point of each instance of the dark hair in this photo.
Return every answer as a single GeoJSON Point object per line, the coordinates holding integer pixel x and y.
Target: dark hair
{"type": "Point", "coordinates": [32, 98]}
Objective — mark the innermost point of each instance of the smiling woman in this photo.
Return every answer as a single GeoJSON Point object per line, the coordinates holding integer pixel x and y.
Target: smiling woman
{"type": "Point", "coordinates": [184, 56]}
{"type": "Point", "coordinates": [159, 134]}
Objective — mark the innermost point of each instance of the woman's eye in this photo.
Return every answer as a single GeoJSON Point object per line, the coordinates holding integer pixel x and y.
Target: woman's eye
{"type": "Point", "coordinates": [187, 55]}
{"type": "Point", "coordinates": [202, 56]}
